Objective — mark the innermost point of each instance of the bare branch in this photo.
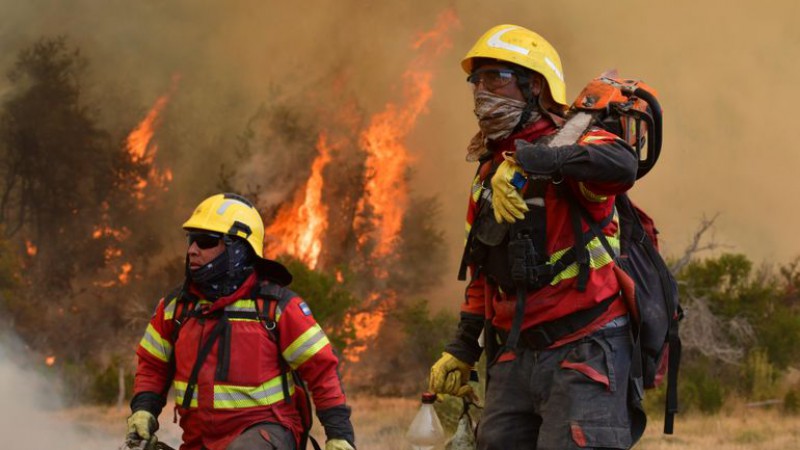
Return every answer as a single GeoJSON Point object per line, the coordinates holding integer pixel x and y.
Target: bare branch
{"type": "Point", "coordinates": [696, 245]}
{"type": "Point", "coordinates": [703, 332]}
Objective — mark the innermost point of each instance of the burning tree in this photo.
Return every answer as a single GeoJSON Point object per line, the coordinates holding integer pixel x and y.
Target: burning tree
{"type": "Point", "coordinates": [347, 210]}
{"type": "Point", "coordinates": [72, 208]}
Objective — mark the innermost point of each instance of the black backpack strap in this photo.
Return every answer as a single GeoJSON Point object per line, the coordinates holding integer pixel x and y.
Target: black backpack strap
{"type": "Point", "coordinates": [483, 202]}
{"type": "Point", "coordinates": [218, 330]}
{"type": "Point", "coordinates": [671, 407]}
{"type": "Point", "coordinates": [268, 297]}
{"type": "Point", "coordinates": [183, 306]}
{"type": "Point", "coordinates": [581, 252]}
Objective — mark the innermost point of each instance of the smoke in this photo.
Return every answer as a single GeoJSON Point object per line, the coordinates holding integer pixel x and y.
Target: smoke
{"type": "Point", "coordinates": [30, 412]}
{"type": "Point", "coordinates": [724, 73]}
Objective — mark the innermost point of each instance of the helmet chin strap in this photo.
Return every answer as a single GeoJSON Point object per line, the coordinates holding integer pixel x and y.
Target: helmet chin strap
{"type": "Point", "coordinates": [531, 101]}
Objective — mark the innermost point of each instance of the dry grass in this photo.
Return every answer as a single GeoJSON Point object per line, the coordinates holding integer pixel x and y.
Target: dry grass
{"type": "Point", "coordinates": [381, 424]}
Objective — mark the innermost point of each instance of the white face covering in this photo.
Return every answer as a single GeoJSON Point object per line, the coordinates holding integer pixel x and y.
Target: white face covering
{"type": "Point", "coordinates": [497, 116]}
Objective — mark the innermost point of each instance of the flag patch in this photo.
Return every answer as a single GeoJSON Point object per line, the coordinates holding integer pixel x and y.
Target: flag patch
{"type": "Point", "coordinates": [306, 310]}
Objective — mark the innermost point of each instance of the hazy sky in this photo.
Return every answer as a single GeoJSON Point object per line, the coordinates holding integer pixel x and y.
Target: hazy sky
{"type": "Point", "coordinates": [726, 73]}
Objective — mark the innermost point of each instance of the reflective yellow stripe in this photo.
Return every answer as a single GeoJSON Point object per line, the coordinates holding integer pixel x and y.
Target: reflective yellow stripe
{"type": "Point", "coordinates": [227, 396]}
{"type": "Point", "coordinates": [591, 196]}
{"type": "Point", "coordinates": [242, 306]}
{"type": "Point", "coordinates": [477, 188]}
{"type": "Point", "coordinates": [155, 344]}
{"type": "Point", "coordinates": [248, 306]}
{"type": "Point", "coordinates": [180, 391]}
{"type": "Point", "coordinates": [169, 310]}
{"type": "Point", "coordinates": [305, 346]}
{"type": "Point", "coordinates": [598, 257]}
{"type": "Point", "coordinates": [590, 139]}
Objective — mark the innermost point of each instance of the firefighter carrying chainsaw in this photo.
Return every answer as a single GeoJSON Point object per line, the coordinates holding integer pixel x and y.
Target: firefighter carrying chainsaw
{"type": "Point", "coordinates": [237, 346]}
{"type": "Point", "coordinates": [543, 299]}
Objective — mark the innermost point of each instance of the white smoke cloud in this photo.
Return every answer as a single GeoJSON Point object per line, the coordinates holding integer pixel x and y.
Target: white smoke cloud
{"type": "Point", "coordinates": [31, 414]}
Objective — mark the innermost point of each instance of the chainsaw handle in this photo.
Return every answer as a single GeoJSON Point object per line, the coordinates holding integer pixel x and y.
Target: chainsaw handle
{"type": "Point", "coordinates": [134, 442]}
{"type": "Point", "coordinates": [654, 138]}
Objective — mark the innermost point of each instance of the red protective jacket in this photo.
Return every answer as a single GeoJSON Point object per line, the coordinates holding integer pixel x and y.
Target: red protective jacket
{"type": "Point", "coordinates": [224, 404]}
{"type": "Point", "coordinates": [560, 298]}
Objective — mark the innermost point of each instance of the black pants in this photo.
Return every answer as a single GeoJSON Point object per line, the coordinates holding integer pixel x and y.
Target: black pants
{"type": "Point", "coordinates": [264, 436]}
{"type": "Point", "coordinates": [572, 397]}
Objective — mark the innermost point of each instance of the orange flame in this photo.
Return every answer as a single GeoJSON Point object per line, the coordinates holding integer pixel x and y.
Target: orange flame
{"type": "Point", "coordinates": [366, 325]}
{"type": "Point", "coordinates": [139, 140]}
{"type": "Point", "coordinates": [143, 151]}
{"type": "Point", "coordinates": [387, 162]}
{"type": "Point", "coordinates": [125, 272]}
{"type": "Point", "coordinates": [298, 227]}
{"type": "Point", "coordinates": [30, 248]}
{"type": "Point", "coordinates": [50, 360]}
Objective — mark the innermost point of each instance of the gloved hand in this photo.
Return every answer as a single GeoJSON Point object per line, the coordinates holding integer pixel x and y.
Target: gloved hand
{"type": "Point", "coordinates": [338, 444]}
{"type": "Point", "coordinates": [450, 375]}
{"type": "Point", "coordinates": [507, 202]}
{"type": "Point", "coordinates": [539, 159]}
{"type": "Point", "coordinates": [141, 426]}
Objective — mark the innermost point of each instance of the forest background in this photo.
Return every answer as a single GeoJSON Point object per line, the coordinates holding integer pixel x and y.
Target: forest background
{"type": "Point", "coordinates": [347, 124]}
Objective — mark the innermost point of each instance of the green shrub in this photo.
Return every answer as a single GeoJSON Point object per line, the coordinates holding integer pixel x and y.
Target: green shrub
{"type": "Point", "coordinates": [760, 375]}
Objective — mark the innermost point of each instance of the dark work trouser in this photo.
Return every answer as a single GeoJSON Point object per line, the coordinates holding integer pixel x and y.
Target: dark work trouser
{"type": "Point", "coordinates": [572, 397]}
{"type": "Point", "coordinates": [264, 436]}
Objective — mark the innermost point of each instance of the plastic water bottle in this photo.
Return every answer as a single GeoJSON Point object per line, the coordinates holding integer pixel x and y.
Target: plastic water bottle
{"type": "Point", "coordinates": [426, 430]}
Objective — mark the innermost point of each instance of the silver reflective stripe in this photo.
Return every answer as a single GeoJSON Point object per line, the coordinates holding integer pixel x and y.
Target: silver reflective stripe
{"type": "Point", "coordinates": [158, 344]}
{"type": "Point", "coordinates": [299, 351]}
{"type": "Point", "coordinates": [247, 395]}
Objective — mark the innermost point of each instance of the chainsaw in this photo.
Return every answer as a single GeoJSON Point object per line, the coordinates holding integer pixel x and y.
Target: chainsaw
{"type": "Point", "coordinates": [133, 442]}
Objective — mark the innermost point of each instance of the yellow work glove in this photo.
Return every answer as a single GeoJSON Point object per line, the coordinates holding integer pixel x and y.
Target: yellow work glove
{"type": "Point", "coordinates": [508, 204]}
{"type": "Point", "coordinates": [450, 375]}
{"type": "Point", "coordinates": [141, 426]}
{"type": "Point", "coordinates": [338, 444]}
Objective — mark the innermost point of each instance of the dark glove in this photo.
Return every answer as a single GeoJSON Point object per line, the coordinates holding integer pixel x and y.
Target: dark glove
{"type": "Point", "coordinates": [541, 160]}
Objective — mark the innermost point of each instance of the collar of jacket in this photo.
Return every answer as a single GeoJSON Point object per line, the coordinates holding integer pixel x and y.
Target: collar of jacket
{"type": "Point", "coordinates": [541, 127]}
{"type": "Point", "coordinates": [243, 292]}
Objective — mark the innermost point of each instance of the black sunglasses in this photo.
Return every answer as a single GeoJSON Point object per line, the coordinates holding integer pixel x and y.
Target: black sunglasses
{"type": "Point", "coordinates": [204, 240]}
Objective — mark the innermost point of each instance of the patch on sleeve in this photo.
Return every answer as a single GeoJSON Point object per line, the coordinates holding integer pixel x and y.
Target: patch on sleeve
{"type": "Point", "coordinates": [306, 310]}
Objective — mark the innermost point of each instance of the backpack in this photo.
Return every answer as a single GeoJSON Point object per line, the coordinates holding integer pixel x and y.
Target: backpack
{"type": "Point", "coordinates": [267, 296]}
{"type": "Point", "coordinates": [630, 110]}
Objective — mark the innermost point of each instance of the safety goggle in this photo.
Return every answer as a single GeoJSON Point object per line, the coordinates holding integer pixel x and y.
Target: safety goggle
{"type": "Point", "coordinates": [491, 78]}
{"type": "Point", "coordinates": [204, 240]}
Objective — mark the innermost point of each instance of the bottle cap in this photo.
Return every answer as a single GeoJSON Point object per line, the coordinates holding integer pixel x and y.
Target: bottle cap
{"type": "Point", "coordinates": [428, 397]}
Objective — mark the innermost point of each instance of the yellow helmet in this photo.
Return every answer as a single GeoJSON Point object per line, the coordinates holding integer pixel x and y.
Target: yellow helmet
{"type": "Point", "coordinates": [523, 47]}
{"type": "Point", "coordinates": [232, 215]}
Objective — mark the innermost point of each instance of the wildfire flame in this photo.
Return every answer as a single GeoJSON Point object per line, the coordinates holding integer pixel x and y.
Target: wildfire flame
{"type": "Point", "coordinates": [30, 248]}
{"type": "Point", "coordinates": [386, 193]}
{"type": "Point", "coordinates": [367, 325]}
{"type": "Point", "coordinates": [143, 151]}
{"type": "Point", "coordinates": [50, 360]}
{"type": "Point", "coordinates": [298, 227]}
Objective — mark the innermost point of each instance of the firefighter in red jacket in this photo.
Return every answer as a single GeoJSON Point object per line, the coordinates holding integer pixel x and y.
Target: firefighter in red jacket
{"type": "Point", "coordinates": [235, 344]}
{"type": "Point", "coordinates": [543, 300]}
